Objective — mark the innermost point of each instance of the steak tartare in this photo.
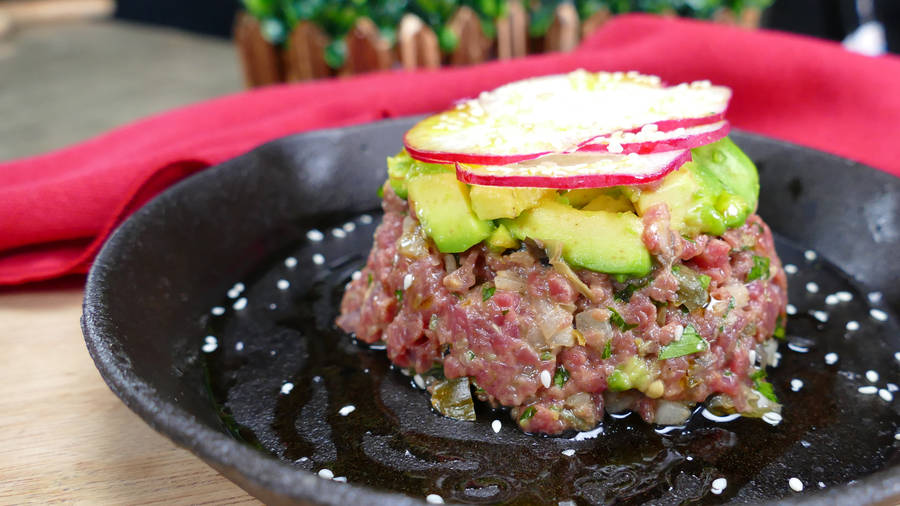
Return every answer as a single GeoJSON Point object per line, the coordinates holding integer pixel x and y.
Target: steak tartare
{"type": "Point", "coordinates": [563, 303]}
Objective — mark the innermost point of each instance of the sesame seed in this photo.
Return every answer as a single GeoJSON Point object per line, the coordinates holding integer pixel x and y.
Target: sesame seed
{"type": "Point", "coordinates": [239, 346]}
{"type": "Point", "coordinates": [420, 381]}
{"type": "Point", "coordinates": [314, 235]}
{"type": "Point", "coordinates": [885, 395]}
{"type": "Point", "coordinates": [791, 309]}
{"type": "Point", "coordinates": [772, 418]}
{"type": "Point", "coordinates": [822, 316]}
{"type": "Point", "coordinates": [209, 347]}
{"type": "Point", "coordinates": [831, 300]}
{"type": "Point", "coordinates": [844, 296]}
{"type": "Point", "coordinates": [852, 325]}
{"type": "Point", "coordinates": [290, 262]}
{"type": "Point", "coordinates": [496, 425]}
{"type": "Point", "coordinates": [346, 410]}
{"type": "Point", "coordinates": [356, 275]}
{"type": "Point", "coordinates": [752, 356]}
{"type": "Point", "coordinates": [365, 219]}
{"type": "Point", "coordinates": [892, 387]}
{"type": "Point", "coordinates": [545, 378]}
{"type": "Point", "coordinates": [326, 473]}
{"type": "Point", "coordinates": [240, 304]}
{"type": "Point", "coordinates": [790, 268]}
{"type": "Point", "coordinates": [776, 359]}
{"type": "Point", "coordinates": [283, 284]}
{"type": "Point", "coordinates": [831, 358]}
{"type": "Point", "coordinates": [897, 356]}
{"type": "Point", "coordinates": [349, 226]}
{"type": "Point", "coordinates": [407, 281]}
{"type": "Point", "coordinates": [821, 485]}
{"type": "Point", "coordinates": [874, 297]}
{"type": "Point", "coordinates": [805, 444]}
{"type": "Point", "coordinates": [718, 485]}
{"type": "Point", "coordinates": [878, 314]}
{"type": "Point", "coordinates": [812, 287]}
{"type": "Point", "coordinates": [872, 376]}
{"type": "Point", "coordinates": [568, 453]}
{"type": "Point", "coordinates": [218, 310]}
{"type": "Point", "coordinates": [287, 387]}
{"type": "Point", "coordinates": [339, 233]}
{"type": "Point", "coordinates": [795, 484]}
{"type": "Point", "coordinates": [272, 306]}
{"type": "Point", "coordinates": [434, 499]}
{"type": "Point", "coordinates": [868, 390]}
{"type": "Point", "coordinates": [318, 259]}
{"type": "Point", "coordinates": [239, 287]}
{"type": "Point", "coordinates": [796, 384]}
{"type": "Point", "coordinates": [798, 348]}
{"type": "Point", "coordinates": [210, 339]}
{"type": "Point", "coordinates": [233, 294]}
{"type": "Point", "coordinates": [809, 255]}
{"type": "Point", "coordinates": [272, 353]}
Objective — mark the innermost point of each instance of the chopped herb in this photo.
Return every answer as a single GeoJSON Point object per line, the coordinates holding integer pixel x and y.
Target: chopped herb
{"type": "Point", "coordinates": [561, 376]}
{"type": "Point", "coordinates": [470, 354]}
{"type": "Point", "coordinates": [762, 386]}
{"type": "Point", "coordinates": [676, 269]}
{"type": "Point", "coordinates": [371, 278]}
{"type": "Point", "coordinates": [399, 295]}
{"type": "Point", "coordinates": [758, 374]}
{"type": "Point", "coordinates": [760, 269]}
{"type": "Point", "coordinates": [690, 343]}
{"type": "Point", "coordinates": [624, 295]}
{"type": "Point", "coordinates": [433, 321]}
{"type": "Point", "coordinates": [779, 327]}
{"type": "Point", "coordinates": [380, 192]}
{"type": "Point", "coordinates": [487, 291]}
{"type": "Point", "coordinates": [546, 355]}
{"type": "Point", "coordinates": [688, 239]}
{"type": "Point", "coordinates": [618, 321]}
{"type": "Point", "coordinates": [684, 309]}
{"type": "Point", "coordinates": [527, 414]}
{"type": "Point", "coordinates": [607, 350]}
{"type": "Point", "coordinates": [704, 281]}
{"type": "Point", "coordinates": [505, 311]}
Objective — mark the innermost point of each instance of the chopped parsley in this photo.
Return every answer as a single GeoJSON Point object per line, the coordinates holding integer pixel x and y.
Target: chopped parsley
{"type": "Point", "coordinates": [779, 327]}
{"type": "Point", "coordinates": [690, 343]}
{"type": "Point", "coordinates": [527, 414]}
{"type": "Point", "coordinates": [561, 376]}
{"type": "Point", "coordinates": [762, 386]}
{"type": "Point", "coordinates": [370, 279]}
{"type": "Point", "coordinates": [607, 350]}
{"type": "Point", "coordinates": [704, 281]}
{"type": "Point", "coordinates": [624, 295]}
{"type": "Point", "coordinates": [618, 321]}
{"type": "Point", "coordinates": [546, 355]}
{"type": "Point", "coordinates": [470, 354]}
{"type": "Point", "coordinates": [380, 192]}
{"type": "Point", "coordinates": [760, 269]}
{"type": "Point", "coordinates": [487, 291]}
{"type": "Point", "coordinates": [399, 295]}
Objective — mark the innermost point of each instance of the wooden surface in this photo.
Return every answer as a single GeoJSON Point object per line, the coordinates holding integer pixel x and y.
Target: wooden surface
{"type": "Point", "coordinates": [64, 436]}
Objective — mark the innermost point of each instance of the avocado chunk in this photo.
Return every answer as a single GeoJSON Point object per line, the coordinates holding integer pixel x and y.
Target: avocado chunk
{"type": "Point", "coordinates": [601, 241]}
{"type": "Point", "coordinates": [731, 167]}
{"type": "Point", "coordinates": [493, 202]}
{"type": "Point", "coordinates": [442, 206]}
{"type": "Point", "coordinates": [501, 239]}
{"type": "Point", "coordinates": [609, 202]}
{"type": "Point", "coordinates": [402, 168]}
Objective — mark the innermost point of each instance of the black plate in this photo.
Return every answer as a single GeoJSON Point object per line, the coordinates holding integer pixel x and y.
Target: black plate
{"type": "Point", "coordinates": [149, 307]}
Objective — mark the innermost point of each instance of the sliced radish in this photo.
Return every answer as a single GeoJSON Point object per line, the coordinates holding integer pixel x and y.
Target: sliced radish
{"type": "Point", "coordinates": [651, 140]}
{"type": "Point", "coordinates": [552, 114]}
{"type": "Point", "coordinates": [568, 171]}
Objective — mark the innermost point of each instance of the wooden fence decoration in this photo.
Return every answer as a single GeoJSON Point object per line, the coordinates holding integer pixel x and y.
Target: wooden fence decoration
{"type": "Point", "coordinates": [303, 55]}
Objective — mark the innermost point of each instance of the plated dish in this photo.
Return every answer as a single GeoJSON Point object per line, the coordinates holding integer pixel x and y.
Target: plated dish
{"type": "Point", "coordinates": [148, 316]}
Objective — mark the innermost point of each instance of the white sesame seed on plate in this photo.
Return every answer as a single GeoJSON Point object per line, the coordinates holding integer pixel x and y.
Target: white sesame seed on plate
{"type": "Point", "coordinates": [831, 358]}
{"type": "Point", "coordinates": [795, 484]}
{"type": "Point", "coordinates": [287, 387]}
{"type": "Point", "coordinates": [342, 479]}
{"type": "Point", "coordinates": [852, 325]}
{"type": "Point", "coordinates": [210, 339]}
{"type": "Point", "coordinates": [796, 384]}
{"type": "Point", "coordinates": [233, 294]}
{"type": "Point", "coordinates": [339, 233]}
{"type": "Point", "coordinates": [844, 296]}
{"type": "Point", "coordinates": [239, 346]}
{"type": "Point", "coordinates": [356, 275]}
{"type": "Point", "coordinates": [210, 347]}
{"type": "Point", "coordinates": [315, 235]}
{"type": "Point", "coordinates": [878, 314]}
{"type": "Point", "coordinates": [790, 268]}
{"type": "Point", "coordinates": [290, 262]}
{"type": "Point", "coordinates": [822, 316]}
{"type": "Point", "coordinates": [420, 381]}
{"type": "Point", "coordinates": [812, 287]}
{"type": "Point", "coordinates": [892, 387]}
{"type": "Point", "coordinates": [718, 485]}
{"type": "Point", "coordinates": [283, 284]}
{"type": "Point", "coordinates": [821, 485]}
{"type": "Point", "coordinates": [831, 299]}
{"type": "Point", "coordinates": [434, 499]}
{"type": "Point", "coordinates": [897, 436]}
{"type": "Point", "coordinates": [897, 356]}
{"type": "Point", "coordinates": [218, 310]}
{"type": "Point", "coordinates": [868, 390]}
{"type": "Point", "coordinates": [346, 410]}
{"type": "Point", "coordinates": [545, 378]}
{"type": "Point", "coordinates": [496, 425]}
{"type": "Point", "coordinates": [273, 306]}
{"type": "Point", "coordinates": [874, 297]}
{"type": "Point", "coordinates": [772, 418]}
{"type": "Point", "coordinates": [240, 304]}
{"type": "Point", "coordinates": [326, 473]}
{"type": "Point", "coordinates": [568, 453]}
{"type": "Point", "coordinates": [885, 395]}
{"type": "Point", "coordinates": [318, 259]}
{"type": "Point", "coordinates": [791, 309]}
{"type": "Point", "coordinates": [872, 376]}
{"type": "Point", "coordinates": [407, 281]}
{"type": "Point", "coordinates": [809, 255]}
{"type": "Point", "coordinates": [239, 287]}
{"type": "Point", "coordinates": [365, 219]}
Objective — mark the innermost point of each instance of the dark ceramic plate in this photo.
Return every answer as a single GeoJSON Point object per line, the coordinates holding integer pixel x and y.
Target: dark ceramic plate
{"type": "Point", "coordinates": [259, 384]}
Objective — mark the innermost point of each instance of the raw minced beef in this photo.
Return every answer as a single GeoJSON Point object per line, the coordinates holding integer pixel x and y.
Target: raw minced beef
{"type": "Point", "coordinates": [502, 319]}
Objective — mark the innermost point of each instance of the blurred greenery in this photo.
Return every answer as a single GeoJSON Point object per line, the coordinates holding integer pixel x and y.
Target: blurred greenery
{"type": "Point", "coordinates": [336, 17]}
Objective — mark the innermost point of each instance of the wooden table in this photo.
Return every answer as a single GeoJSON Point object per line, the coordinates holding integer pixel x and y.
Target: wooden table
{"type": "Point", "coordinates": [64, 436]}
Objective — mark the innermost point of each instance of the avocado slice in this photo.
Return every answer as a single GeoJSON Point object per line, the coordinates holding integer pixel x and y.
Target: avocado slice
{"type": "Point", "coordinates": [442, 206]}
{"type": "Point", "coordinates": [493, 202]}
{"type": "Point", "coordinates": [501, 239]}
{"type": "Point", "coordinates": [601, 241]}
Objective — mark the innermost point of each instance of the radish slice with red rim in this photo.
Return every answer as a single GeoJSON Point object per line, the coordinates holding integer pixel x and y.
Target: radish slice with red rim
{"type": "Point", "coordinates": [651, 140]}
{"type": "Point", "coordinates": [567, 171]}
{"type": "Point", "coordinates": [553, 114]}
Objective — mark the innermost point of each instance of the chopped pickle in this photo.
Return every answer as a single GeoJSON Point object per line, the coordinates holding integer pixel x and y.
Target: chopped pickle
{"type": "Point", "coordinates": [691, 287]}
{"type": "Point", "coordinates": [453, 399]}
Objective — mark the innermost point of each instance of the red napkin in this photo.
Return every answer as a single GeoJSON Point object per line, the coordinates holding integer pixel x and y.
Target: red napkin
{"type": "Point", "coordinates": [57, 209]}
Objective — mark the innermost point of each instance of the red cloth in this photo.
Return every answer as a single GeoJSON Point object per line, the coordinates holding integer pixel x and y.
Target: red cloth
{"type": "Point", "coordinates": [57, 209]}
